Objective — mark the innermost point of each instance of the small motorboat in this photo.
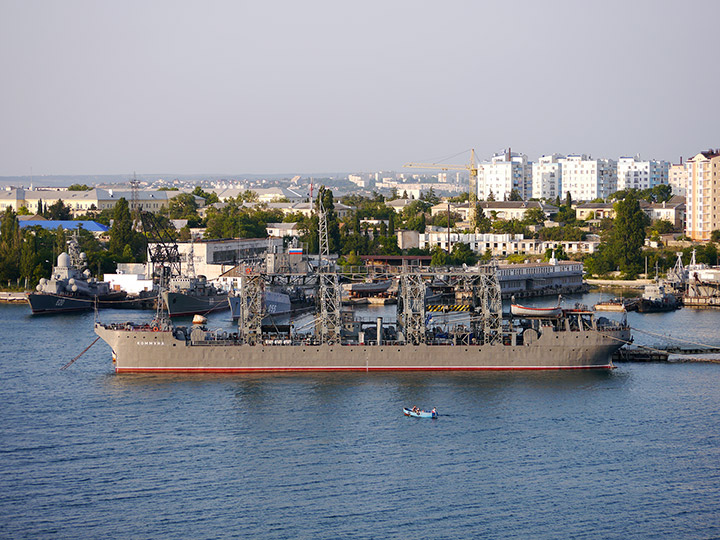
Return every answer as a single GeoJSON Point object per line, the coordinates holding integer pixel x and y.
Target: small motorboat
{"type": "Point", "coordinates": [417, 413]}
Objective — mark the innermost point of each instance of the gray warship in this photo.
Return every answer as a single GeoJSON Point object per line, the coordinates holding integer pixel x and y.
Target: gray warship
{"type": "Point", "coordinates": [189, 295]}
{"type": "Point", "coordinates": [487, 340]}
{"type": "Point", "coordinates": [71, 287]}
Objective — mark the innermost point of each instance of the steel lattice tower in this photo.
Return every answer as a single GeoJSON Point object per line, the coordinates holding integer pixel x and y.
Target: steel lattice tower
{"type": "Point", "coordinates": [251, 308]}
{"type": "Point", "coordinates": [411, 307]}
{"type": "Point", "coordinates": [328, 324]}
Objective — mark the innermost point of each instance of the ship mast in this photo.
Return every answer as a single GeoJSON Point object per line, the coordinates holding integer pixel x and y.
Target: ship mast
{"type": "Point", "coordinates": [163, 258]}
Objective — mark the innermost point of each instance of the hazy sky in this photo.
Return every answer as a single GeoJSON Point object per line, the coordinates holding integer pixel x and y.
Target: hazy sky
{"type": "Point", "coordinates": [94, 87]}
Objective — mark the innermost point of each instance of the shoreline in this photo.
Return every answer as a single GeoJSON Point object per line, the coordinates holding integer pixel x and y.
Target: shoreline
{"type": "Point", "coordinates": [12, 297]}
{"type": "Point", "coordinates": [619, 283]}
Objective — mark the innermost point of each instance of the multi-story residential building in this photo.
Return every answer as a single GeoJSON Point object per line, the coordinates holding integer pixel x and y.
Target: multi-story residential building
{"type": "Point", "coordinates": [358, 180]}
{"type": "Point", "coordinates": [587, 179]}
{"type": "Point", "coordinates": [547, 177]}
{"type": "Point", "coordinates": [635, 174]}
{"type": "Point", "coordinates": [505, 172]}
{"type": "Point", "coordinates": [703, 192]}
{"type": "Point", "coordinates": [677, 178]}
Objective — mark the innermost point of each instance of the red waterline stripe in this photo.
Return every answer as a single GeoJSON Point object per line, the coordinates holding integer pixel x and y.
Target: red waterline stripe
{"type": "Point", "coordinates": [321, 369]}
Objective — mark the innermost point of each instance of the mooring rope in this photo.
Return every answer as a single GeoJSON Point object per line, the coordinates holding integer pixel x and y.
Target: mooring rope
{"type": "Point", "coordinates": [79, 355]}
{"type": "Point", "coordinates": [674, 338]}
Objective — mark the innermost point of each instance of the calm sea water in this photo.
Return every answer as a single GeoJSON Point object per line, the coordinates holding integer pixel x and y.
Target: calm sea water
{"type": "Point", "coordinates": [85, 453]}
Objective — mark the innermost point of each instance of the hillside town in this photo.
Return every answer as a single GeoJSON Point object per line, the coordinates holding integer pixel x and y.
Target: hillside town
{"type": "Point", "coordinates": [621, 218]}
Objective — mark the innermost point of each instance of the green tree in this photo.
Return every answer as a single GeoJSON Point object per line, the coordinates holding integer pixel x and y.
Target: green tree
{"type": "Point", "coordinates": [28, 257]}
{"type": "Point", "coordinates": [121, 233]}
{"type": "Point", "coordinates": [210, 197]}
{"type": "Point", "coordinates": [439, 257]}
{"type": "Point", "coordinates": [462, 254]}
{"type": "Point", "coordinates": [182, 206]}
{"type": "Point", "coordinates": [463, 197]}
{"type": "Point", "coordinates": [628, 236]}
{"type": "Point", "coordinates": [79, 187]}
{"type": "Point", "coordinates": [534, 216]}
{"type": "Point", "coordinates": [60, 240]}
{"type": "Point", "coordinates": [515, 195]}
{"type": "Point", "coordinates": [560, 254]}
{"type": "Point", "coordinates": [482, 222]}
{"type": "Point", "coordinates": [9, 246]}
{"type": "Point", "coordinates": [662, 226]}
{"type": "Point", "coordinates": [430, 197]}
{"type": "Point", "coordinates": [248, 196]}
{"type": "Point", "coordinates": [184, 234]}
{"type": "Point", "coordinates": [127, 254]}
{"type": "Point", "coordinates": [57, 211]}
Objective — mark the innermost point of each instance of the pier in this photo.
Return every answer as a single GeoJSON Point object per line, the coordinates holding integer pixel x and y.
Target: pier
{"type": "Point", "coordinates": [643, 354]}
{"type": "Point", "coordinates": [13, 297]}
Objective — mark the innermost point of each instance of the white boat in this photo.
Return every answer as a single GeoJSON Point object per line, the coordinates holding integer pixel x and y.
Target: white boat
{"type": "Point", "coordinates": [525, 311]}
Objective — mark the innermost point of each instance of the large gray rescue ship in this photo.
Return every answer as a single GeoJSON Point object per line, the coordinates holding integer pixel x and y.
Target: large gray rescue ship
{"type": "Point", "coordinates": [565, 339]}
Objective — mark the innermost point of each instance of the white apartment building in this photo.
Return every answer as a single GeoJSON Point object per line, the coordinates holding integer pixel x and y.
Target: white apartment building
{"type": "Point", "coordinates": [358, 180]}
{"type": "Point", "coordinates": [587, 179]}
{"type": "Point", "coordinates": [505, 172]}
{"type": "Point", "coordinates": [678, 178]}
{"type": "Point", "coordinates": [502, 244]}
{"type": "Point", "coordinates": [547, 177]}
{"type": "Point", "coordinates": [635, 174]}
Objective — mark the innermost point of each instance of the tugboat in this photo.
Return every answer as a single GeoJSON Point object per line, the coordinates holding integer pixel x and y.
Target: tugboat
{"type": "Point", "coordinates": [71, 287]}
{"type": "Point", "coordinates": [656, 299]}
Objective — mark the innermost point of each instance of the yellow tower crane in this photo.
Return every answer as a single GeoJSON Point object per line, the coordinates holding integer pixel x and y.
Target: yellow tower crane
{"type": "Point", "coordinates": [472, 167]}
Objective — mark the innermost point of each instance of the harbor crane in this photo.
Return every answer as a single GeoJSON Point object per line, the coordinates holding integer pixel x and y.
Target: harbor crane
{"type": "Point", "coordinates": [471, 167]}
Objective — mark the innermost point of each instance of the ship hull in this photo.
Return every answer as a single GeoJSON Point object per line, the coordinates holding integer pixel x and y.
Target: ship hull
{"type": "Point", "coordinates": [650, 306]}
{"type": "Point", "coordinates": [44, 303]}
{"type": "Point", "coordinates": [180, 304]}
{"type": "Point", "coordinates": [138, 351]}
{"type": "Point", "coordinates": [275, 304]}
